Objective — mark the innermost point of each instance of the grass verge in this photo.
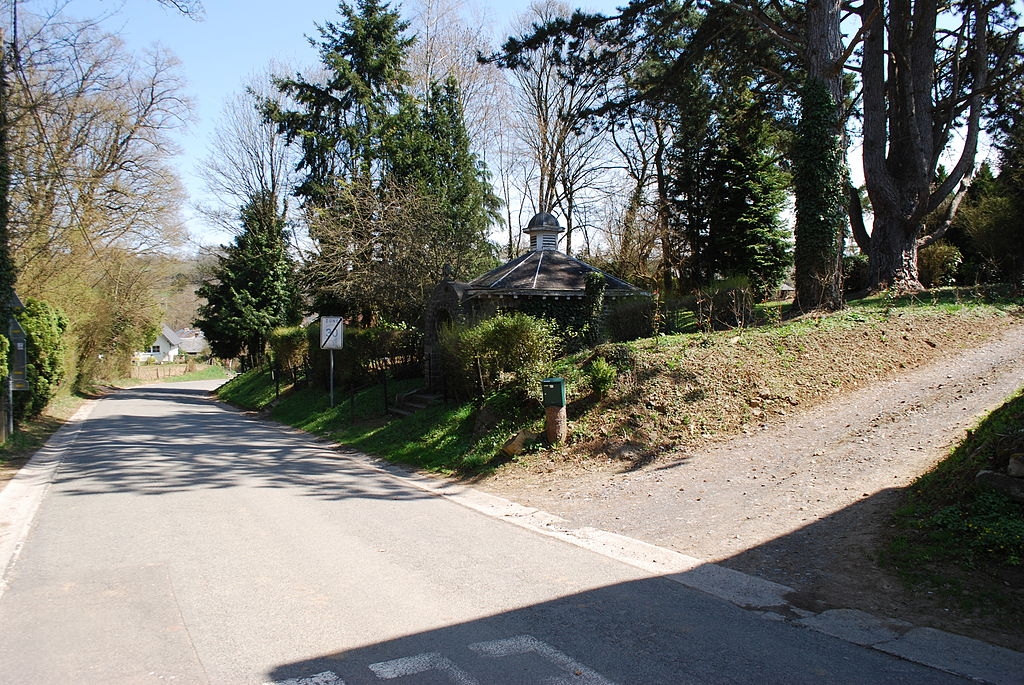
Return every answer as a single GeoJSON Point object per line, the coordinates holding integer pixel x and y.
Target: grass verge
{"type": "Point", "coordinates": [445, 439]}
{"type": "Point", "coordinates": [961, 542]}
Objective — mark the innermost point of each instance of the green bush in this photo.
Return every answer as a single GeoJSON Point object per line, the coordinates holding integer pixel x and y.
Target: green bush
{"type": "Point", "coordinates": [995, 230]}
{"type": "Point", "coordinates": [620, 355]}
{"type": "Point", "coordinates": [44, 327]}
{"type": "Point", "coordinates": [937, 264]}
{"type": "Point", "coordinates": [393, 349]}
{"type": "Point", "coordinates": [290, 347]}
{"type": "Point", "coordinates": [507, 352]}
{"type": "Point", "coordinates": [855, 272]}
{"type": "Point", "coordinates": [602, 376]}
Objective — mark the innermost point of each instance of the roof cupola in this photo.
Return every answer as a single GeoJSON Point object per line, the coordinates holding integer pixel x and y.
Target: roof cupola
{"type": "Point", "coordinates": [544, 230]}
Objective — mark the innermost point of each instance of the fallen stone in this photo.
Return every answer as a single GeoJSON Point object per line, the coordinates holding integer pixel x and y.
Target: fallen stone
{"type": "Point", "coordinates": [516, 444]}
{"type": "Point", "coordinates": [1009, 485]}
{"type": "Point", "coordinates": [1016, 466]}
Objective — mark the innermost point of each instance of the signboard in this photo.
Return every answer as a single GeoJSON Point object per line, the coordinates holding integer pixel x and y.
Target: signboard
{"type": "Point", "coordinates": [19, 354]}
{"type": "Point", "coordinates": [332, 333]}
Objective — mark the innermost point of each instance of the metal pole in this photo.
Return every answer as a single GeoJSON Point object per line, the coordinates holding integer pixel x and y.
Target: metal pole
{"type": "Point", "coordinates": [332, 378]}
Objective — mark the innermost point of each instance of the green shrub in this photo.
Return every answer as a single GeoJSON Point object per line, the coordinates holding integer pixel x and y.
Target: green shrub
{"type": "Point", "coordinates": [290, 346]}
{"type": "Point", "coordinates": [602, 376]}
{"type": "Point", "coordinates": [44, 327]}
{"type": "Point", "coordinates": [856, 271]}
{"type": "Point", "coordinates": [506, 352]}
{"type": "Point", "coordinates": [620, 355]}
{"type": "Point", "coordinates": [937, 264]}
{"type": "Point", "coordinates": [997, 233]}
{"type": "Point", "coordinates": [393, 349]}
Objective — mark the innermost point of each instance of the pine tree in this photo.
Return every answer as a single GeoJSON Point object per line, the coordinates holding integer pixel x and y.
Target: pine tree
{"type": "Point", "coordinates": [433, 154]}
{"type": "Point", "coordinates": [391, 189]}
{"type": "Point", "coordinates": [340, 123]}
{"type": "Point", "coordinates": [253, 287]}
{"type": "Point", "coordinates": [748, 237]}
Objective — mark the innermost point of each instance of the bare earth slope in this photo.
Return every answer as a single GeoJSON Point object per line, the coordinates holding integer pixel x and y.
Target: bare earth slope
{"type": "Point", "coordinates": [800, 500]}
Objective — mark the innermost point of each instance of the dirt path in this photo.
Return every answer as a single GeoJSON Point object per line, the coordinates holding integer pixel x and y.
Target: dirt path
{"type": "Point", "coordinates": [802, 502]}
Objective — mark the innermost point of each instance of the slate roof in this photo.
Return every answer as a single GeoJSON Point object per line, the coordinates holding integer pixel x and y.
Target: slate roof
{"type": "Point", "coordinates": [170, 335]}
{"type": "Point", "coordinates": [192, 341]}
{"type": "Point", "coordinates": [545, 272]}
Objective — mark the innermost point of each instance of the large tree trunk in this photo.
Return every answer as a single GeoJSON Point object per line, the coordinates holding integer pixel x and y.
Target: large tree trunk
{"type": "Point", "coordinates": [912, 101]}
{"type": "Point", "coordinates": [893, 255]}
{"type": "Point", "coordinates": [819, 172]}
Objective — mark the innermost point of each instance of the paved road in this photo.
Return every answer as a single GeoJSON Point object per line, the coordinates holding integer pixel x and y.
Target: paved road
{"type": "Point", "coordinates": [183, 542]}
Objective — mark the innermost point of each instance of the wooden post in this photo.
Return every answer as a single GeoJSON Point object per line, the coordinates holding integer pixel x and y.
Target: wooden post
{"type": "Point", "coordinates": [556, 424]}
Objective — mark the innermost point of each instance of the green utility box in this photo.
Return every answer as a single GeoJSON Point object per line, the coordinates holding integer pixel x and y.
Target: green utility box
{"type": "Point", "coordinates": [553, 392]}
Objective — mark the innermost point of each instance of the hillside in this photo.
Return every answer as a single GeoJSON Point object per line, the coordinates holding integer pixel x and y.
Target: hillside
{"type": "Point", "coordinates": [691, 390]}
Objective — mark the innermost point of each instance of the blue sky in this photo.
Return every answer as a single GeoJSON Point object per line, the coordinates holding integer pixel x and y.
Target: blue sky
{"type": "Point", "coordinates": [236, 39]}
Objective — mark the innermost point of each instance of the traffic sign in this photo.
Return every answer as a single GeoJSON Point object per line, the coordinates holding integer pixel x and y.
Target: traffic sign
{"type": "Point", "coordinates": [332, 333]}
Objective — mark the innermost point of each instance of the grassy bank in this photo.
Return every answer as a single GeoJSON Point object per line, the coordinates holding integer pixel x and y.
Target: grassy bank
{"type": "Point", "coordinates": [668, 390]}
{"type": "Point", "coordinates": [955, 540]}
{"type": "Point", "coordinates": [440, 438]}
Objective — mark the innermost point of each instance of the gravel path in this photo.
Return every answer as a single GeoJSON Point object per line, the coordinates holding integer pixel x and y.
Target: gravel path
{"type": "Point", "coordinates": [798, 502]}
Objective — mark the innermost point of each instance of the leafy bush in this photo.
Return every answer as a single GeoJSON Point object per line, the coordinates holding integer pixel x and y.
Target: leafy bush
{"type": "Point", "coordinates": [855, 272]}
{"type": "Point", "coordinates": [290, 346]}
{"type": "Point", "coordinates": [393, 349]}
{"type": "Point", "coordinates": [620, 355]}
{"type": "Point", "coordinates": [44, 344]}
{"type": "Point", "coordinates": [506, 352]}
{"type": "Point", "coordinates": [997, 233]}
{"type": "Point", "coordinates": [602, 376]}
{"type": "Point", "coordinates": [938, 263]}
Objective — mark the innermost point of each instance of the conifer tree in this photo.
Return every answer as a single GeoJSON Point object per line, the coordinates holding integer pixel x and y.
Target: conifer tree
{"type": "Point", "coordinates": [253, 288]}
{"type": "Point", "coordinates": [435, 156]}
{"type": "Point", "coordinates": [371, 153]}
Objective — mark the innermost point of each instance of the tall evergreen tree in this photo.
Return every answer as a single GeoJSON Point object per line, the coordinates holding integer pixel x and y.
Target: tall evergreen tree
{"type": "Point", "coordinates": [433, 153]}
{"type": "Point", "coordinates": [371, 153]}
{"type": "Point", "coordinates": [694, 68]}
{"type": "Point", "coordinates": [340, 123]}
{"type": "Point", "coordinates": [253, 288]}
{"type": "Point", "coordinates": [748, 235]}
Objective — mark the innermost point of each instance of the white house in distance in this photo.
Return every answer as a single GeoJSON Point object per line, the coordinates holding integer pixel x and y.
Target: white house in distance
{"type": "Point", "coordinates": [192, 343]}
{"type": "Point", "coordinates": [164, 349]}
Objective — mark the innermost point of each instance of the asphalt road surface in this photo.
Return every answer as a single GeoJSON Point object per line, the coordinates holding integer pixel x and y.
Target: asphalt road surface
{"type": "Point", "coordinates": [180, 541]}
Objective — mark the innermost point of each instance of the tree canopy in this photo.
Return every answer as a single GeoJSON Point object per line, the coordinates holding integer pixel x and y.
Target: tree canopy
{"type": "Point", "coordinates": [390, 186]}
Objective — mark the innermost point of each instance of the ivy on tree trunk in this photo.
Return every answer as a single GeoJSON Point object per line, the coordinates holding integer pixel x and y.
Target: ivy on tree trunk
{"type": "Point", "coordinates": [819, 179]}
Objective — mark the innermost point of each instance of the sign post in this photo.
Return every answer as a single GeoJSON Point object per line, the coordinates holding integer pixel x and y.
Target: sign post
{"type": "Point", "coordinates": [332, 337]}
{"type": "Point", "coordinates": [16, 373]}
